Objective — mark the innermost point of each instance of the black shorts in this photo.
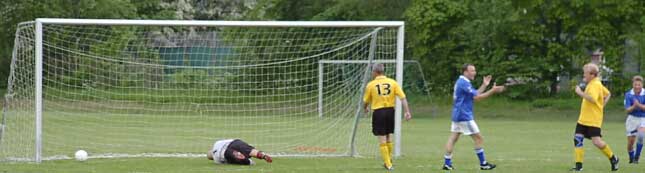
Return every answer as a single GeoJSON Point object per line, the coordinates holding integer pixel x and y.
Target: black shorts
{"type": "Point", "coordinates": [240, 146]}
{"type": "Point", "coordinates": [383, 121]}
{"type": "Point", "coordinates": [588, 131]}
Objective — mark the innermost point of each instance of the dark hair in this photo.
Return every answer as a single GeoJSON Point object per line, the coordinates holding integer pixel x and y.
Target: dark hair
{"type": "Point", "coordinates": [465, 67]}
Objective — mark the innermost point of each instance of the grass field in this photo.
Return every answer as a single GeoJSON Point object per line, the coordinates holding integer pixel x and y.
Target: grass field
{"type": "Point", "coordinates": [521, 136]}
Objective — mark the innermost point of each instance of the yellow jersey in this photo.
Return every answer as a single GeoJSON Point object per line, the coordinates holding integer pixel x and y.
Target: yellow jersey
{"type": "Point", "coordinates": [591, 114]}
{"type": "Point", "coordinates": [381, 92]}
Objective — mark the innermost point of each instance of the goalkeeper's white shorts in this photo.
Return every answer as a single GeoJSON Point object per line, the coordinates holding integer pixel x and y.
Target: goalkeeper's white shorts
{"type": "Point", "coordinates": [464, 127]}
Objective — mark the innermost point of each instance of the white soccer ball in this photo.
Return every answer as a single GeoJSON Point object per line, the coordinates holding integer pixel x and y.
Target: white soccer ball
{"type": "Point", "coordinates": [81, 155]}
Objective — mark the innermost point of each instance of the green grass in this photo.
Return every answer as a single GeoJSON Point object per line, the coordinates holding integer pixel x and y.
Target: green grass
{"type": "Point", "coordinates": [519, 137]}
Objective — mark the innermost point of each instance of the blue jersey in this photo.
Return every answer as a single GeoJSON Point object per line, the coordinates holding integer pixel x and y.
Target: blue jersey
{"type": "Point", "coordinates": [629, 101]}
{"type": "Point", "coordinates": [463, 97]}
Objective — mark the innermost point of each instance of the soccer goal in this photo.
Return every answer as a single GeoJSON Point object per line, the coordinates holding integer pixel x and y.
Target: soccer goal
{"type": "Point", "coordinates": [164, 88]}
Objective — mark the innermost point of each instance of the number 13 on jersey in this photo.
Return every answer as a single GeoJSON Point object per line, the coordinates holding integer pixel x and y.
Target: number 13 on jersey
{"type": "Point", "coordinates": [383, 89]}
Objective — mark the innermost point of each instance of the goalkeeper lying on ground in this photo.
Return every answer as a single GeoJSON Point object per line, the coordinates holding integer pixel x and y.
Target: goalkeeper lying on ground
{"type": "Point", "coordinates": [235, 151]}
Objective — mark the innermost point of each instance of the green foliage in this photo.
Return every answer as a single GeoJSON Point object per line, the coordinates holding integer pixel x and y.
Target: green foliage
{"type": "Point", "coordinates": [336, 10]}
{"type": "Point", "coordinates": [558, 104]}
{"type": "Point", "coordinates": [189, 78]}
{"type": "Point", "coordinates": [16, 11]}
{"type": "Point", "coordinates": [288, 9]}
{"type": "Point", "coordinates": [152, 9]}
{"type": "Point", "coordinates": [620, 85]}
{"type": "Point", "coordinates": [433, 43]}
{"type": "Point", "coordinates": [536, 41]}
{"type": "Point", "coordinates": [577, 27]}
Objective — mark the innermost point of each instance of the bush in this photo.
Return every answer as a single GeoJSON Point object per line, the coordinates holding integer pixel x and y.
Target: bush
{"type": "Point", "coordinates": [189, 78]}
{"type": "Point", "coordinates": [620, 84]}
{"type": "Point", "coordinates": [527, 91]}
{"type": "Point", "coordinates": [557, 103]}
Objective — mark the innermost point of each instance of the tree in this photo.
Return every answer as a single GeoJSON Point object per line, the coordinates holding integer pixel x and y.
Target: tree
{"type": "Point", "coordinates": [433, 36]}
{"type": "Point", "coordinates": [16, 11]}
{"type": "Point", "coordinates": [325, 10]}
{"type": "Point", "coordinates": [535, 41]}
{"type": "Point", "coordinates": [570, 30]}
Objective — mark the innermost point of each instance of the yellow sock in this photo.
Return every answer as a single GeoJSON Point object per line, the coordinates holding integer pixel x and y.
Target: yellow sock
{"type": "Point", "coordinates": [579, 154]}
{"type": "Point", "coordinates": [607, 151]}
{"type": "Point", "coordinates": [385, 154]}
{"type": "Point", "coordinates": [390, 148]}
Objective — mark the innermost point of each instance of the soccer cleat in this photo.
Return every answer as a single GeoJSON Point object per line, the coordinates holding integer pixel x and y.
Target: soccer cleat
{"type": "Point", "coordinates": [574, 169]}
{"type": "Point", "coordinates": [487, 166]}
{"type": "Point", "coordinates": [577, 168]}
{"type": "Point", "coordinates": [265, 157]}
{"type": "Point", "coordinates": [614, 163]}
{"type": "Point", "coordinates": [635, 160]}
{"type": "Point", "coordinates": [447, 167]}
{"type": "Point", "coordinates": [388, 168]}
{"type": "Point", "coordinates": [268, 158]}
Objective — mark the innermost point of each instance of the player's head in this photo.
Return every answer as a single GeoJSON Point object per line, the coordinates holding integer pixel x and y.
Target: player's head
{"type": "Point", "coordinates": [637, 83]}
{"type": "Point", "coordinates": [469, 71]}
{"type": "Point", "coordinates": [209, 155]}
{"type": "Point", "coordinates": [590, 72]}
{"type": "Point", "coordinates": [596, 56]}
{"type": "Point", "coordinates": [378, 69]}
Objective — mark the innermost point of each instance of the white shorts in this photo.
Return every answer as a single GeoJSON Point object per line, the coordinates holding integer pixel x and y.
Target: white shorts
{"type": "Point", "coordinates": [464, 127]}
{"type": "Point", "coordinates": [633, 123]}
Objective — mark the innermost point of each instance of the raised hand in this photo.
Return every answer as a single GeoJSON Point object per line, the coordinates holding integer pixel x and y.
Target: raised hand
{"type": "Point", "coordinates": [487, 80]}
{"type": "Point", "coordinates": [498, 89]}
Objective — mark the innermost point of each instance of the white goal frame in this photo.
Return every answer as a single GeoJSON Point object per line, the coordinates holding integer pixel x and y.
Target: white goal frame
{"type": "Point", "coordinates": [40, 22]}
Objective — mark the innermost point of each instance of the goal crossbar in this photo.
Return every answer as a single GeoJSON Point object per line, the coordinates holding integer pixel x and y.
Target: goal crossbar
{"type": "Point", "coordinates": [221, 23]}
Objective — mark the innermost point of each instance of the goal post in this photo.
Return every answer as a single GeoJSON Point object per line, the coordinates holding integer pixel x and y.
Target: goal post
{"type": "Point", "coordinates": [169, 88]}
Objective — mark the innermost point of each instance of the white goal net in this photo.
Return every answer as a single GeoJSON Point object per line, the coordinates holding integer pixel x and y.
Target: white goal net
{"type": "Point", "coordinates": [128, 88]}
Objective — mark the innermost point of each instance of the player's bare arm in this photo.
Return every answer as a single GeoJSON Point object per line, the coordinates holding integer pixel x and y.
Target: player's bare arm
{"type": "Point", "coordinates": [485, 84]}
{"type": "Point", "coordinates": [366, 107]}
{"type": "Point", "coordinates": [582, 94]}
{"type": "Point", "coordinates": [606, 99]}
{"type": "Point", "coordinates": [490, 92]}
{"type": "Point", "coordinates": [406, 108]}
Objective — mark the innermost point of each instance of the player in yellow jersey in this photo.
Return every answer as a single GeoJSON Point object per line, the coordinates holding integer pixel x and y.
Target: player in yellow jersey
{"type": "Point", "coordinates": [594, 98]}
{"type": "Point", "coordinates": [381, 95]}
